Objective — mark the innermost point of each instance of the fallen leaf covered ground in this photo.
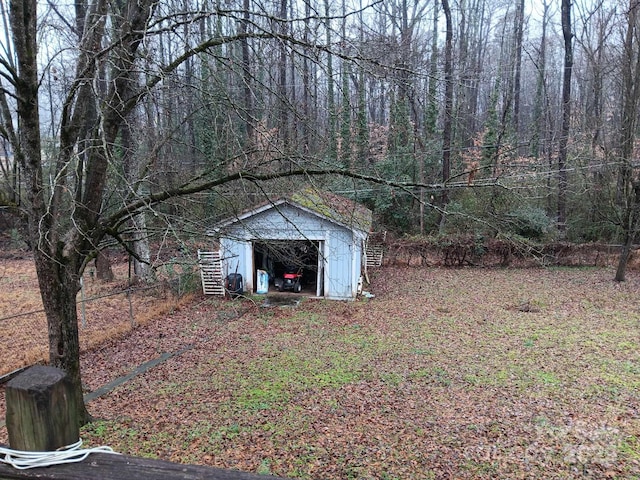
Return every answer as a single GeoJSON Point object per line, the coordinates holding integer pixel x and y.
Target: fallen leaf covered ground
{"type": "Point", "coordinates": [105, 310]}
{"type": "Point", "coordinates": [446, 373]}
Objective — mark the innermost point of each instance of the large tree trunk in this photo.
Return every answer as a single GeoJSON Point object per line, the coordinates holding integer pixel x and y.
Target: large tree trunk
{"type": "Point", "coordinates": [64, 220]}
{"type": "Point", "coordinates": [57, 274]}
{"type": "Point", "coordinates": [104, 272]}
{"type": "Point", "coordinates": [59, 281]}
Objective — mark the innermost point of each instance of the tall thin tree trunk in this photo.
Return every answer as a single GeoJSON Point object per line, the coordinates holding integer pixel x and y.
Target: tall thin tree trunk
{"type": "Point", "coordinates": [362, 126]}
{"type": "Point", "coordinates": [246, 77]}
{"type": "Point", "coordinates": [566, 117]}
{"type": "Point", "coordinates": [282, 81]}
{"type": "Point", "coordinates": [345, 117]}
{"type": "Point", "coordinates": [331, 107]}
{"type": "Point", "coordinates": [629, 187]}
{"type": "Point", "coordinates": [432, 89]}
{"type": "Point", "coordinates": [519, 28]}
{"type": "Point", "coordinates": [306, 81]}
{"type": "Point", "coordinates": [539, 106]}
{"type": "Point", "coordinates": [448, 112]}
{"type": "Point", "coordinates": [431, 110]}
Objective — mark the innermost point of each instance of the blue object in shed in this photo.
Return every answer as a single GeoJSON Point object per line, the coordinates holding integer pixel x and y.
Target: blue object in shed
{"type": "Point", "coordinates": [262, 282]}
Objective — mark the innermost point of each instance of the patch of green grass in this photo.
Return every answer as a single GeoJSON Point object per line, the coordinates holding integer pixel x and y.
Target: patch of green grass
{"type": "Point", "coordinates": [627, 345]}
{"type": "Point", "coordinates": [542, 421]}
{"type": "Point", "coordinates": [607, 392]}
{"type": "Point", "coordinates": [308, 318]}
{"type": "Point", "coordinates": [268, 395]}
{"type": "Point", "coordinates": [387, 476]}
{"type": "Point", "coordinates": [482, 469]}
{"type": "Point", "coordinates": [334, 377]}
{"type": "Point", "coordinates": [111, 432]}
{"type": "Point", "coordinates": [271, 382]}
{"type": "Point", "coordinates": [98, 428]}
{"type": "Point", "coordinates": [421, 374]}
{"type": "Point", "coordinates": [392, 379]}
{"type": "Point", "coordinates": [630, 367]}
{"type": "Point", "coordinates": [423, 351]}
{"type": "Point", "coordinates": [266, 315]}
{"type": "Point", "coordinates": [630, 447]}
{"type": "Point", "coordinates": [112, 428]}
{"type": "Point", "coordinates": [357, 339]}
{"type": "Point", "coordinates": [441, 376]}
{"type": "Point", "coordinates": [548, 378]}
{"type": "Point", "coordinates": [305, 455]}
{"type": "Point", "coordinates": [621, 375]}
{"type": "Point", "coordinates": [273, 428]}
{"type": "Point", "coordinates": [265, 467]}
{"type": "Point", "coordinates": [434, 375]}
{"type": "Point", "coordinates": [500, 375]}
{"type": "Point", "coordinates": [172, 388]}
{"type": "Point", "coordinates": [200, 430]}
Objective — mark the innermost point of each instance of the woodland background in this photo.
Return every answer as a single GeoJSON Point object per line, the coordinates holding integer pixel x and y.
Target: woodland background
{"type": "Point", "coordinates": [427, 97]}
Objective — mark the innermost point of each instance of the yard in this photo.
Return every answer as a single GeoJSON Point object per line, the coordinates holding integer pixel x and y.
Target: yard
{"type": "Point", "coordinates": [446, 373]}
{"type": "Point", "coordinates": [105, 310]}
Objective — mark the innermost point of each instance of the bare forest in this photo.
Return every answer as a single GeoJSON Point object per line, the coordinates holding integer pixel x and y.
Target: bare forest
{"type": "Point", "coordinates": [137, 124]}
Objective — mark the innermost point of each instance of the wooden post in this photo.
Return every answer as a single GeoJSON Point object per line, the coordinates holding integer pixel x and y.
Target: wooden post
{"type": "Point", "coordinates": [41, 410]}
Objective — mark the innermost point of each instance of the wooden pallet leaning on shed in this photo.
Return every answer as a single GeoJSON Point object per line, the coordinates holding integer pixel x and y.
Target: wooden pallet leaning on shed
{"type": "Point", "coordinates": [374, 255]}
{"type": "Point", "coordinates": [375, 249]}
{"type": "Point", "coordinates": [211, 272]}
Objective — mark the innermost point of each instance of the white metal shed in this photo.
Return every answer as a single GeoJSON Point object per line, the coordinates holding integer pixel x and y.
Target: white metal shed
{"type": "Point", "coordinates": [323, 234]}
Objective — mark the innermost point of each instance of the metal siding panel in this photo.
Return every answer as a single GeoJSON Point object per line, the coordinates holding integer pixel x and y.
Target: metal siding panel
{"type": "Point", "coordinates": [284, 223]}
{"type": "Point", "coordinates": [234, 257]}
{"type": "Point", "coordinates": [339, 267]}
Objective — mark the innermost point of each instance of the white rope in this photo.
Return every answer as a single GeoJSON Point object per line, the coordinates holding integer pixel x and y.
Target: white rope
{"type": "Point", "coordinates": [22, 460]}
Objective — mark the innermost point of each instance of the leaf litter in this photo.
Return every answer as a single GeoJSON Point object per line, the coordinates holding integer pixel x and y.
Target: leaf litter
{"type": "Point", "coordinates": [442, 375]}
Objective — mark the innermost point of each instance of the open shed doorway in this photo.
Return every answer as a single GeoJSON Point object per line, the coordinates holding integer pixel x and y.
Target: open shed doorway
{"type": "Point", "coordinates": [279, 256]}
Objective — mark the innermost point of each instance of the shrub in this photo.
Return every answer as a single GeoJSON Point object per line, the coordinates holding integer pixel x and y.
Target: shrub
{"type": "Point", "coordinates": [529, 222]}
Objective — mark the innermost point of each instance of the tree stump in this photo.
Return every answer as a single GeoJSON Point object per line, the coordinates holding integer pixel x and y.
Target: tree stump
{"type": "Point", "coordinates": [41, 410]}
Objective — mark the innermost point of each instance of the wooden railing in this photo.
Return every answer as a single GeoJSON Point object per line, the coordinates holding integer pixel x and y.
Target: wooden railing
{"type": "Point", "coordinates": [104, 466]}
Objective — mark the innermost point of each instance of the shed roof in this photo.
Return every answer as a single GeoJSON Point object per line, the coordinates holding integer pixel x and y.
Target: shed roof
{"type": "Point", "coordinates": [330, 206]}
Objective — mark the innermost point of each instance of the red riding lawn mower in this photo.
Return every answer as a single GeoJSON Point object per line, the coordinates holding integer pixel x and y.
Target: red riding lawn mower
{"type": "Point", "coordinates": [291, 280]}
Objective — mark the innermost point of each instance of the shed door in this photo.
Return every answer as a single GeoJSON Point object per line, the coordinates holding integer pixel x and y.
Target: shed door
{"type": "Point", "coordinates": [320, 281]}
